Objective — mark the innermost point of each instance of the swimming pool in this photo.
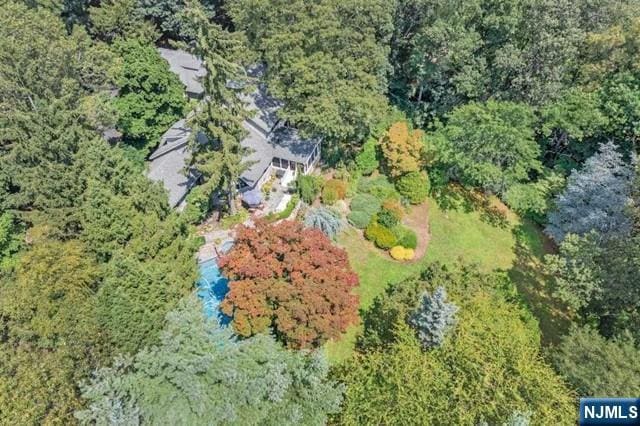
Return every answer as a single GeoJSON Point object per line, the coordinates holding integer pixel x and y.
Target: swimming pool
{"type": "Point", "coordinates": [212, 287]}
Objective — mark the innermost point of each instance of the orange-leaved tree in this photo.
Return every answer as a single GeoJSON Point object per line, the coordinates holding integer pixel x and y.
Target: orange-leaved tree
{"type": "Point", "coordinates": [403, 149]}
{"type": "Point", "coordinates": [289, 279]}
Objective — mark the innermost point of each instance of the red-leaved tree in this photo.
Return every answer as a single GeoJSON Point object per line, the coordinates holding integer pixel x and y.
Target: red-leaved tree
{"type": "Point", "coordinates": [291, 279]}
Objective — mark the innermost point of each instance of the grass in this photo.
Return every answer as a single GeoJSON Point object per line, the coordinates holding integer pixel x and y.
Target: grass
{"type": "Point", "coordinates": [504, 243]}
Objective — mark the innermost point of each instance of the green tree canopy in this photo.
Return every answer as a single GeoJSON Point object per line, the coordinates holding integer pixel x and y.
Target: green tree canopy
{"type": "Point", "coordinates": [596, 366]}
{"type": "Point", "coordinates": [151, 97]}
{"type": "Point", "coordinates": [488, 145]}
{"type": "Point", "coordinates": [200, 374]}
{"type": "Point", "coordinates": [487, 367]}
{"type": "Point", "coordinates": [326, 60]}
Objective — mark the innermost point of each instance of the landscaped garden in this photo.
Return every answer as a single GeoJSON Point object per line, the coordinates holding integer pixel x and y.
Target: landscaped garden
{"type": "Point", "coordinates": [514, 246]}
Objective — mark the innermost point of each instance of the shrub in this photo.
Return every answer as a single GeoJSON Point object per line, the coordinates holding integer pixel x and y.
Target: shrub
{"type": "Point", "coordinates": [407, 238]}
{"type": "Point", "coordinates": [366, 160]}
{"type": "Point", "coordinates": [328, 221]}
{"type": "Point", "coordinates": [414, 186]}
{"type": "Point", "coordinates": [394, 206]}
{"type": "Point", "coordinates": [379, 187]}
{"type": "Point", "coordinates": [391, 213]}
{"type": "Point", "coordinates": [401, 253]}
{"type": "Point", "coordinates": [360, 219]}
{"type": "Point", "coordinates": [381, 236]}
{"type": "Point", "coordinates": [339, 186]}
{"type": "Point", "coordinates": [234, 219]}
{"type": "Point", "coordinates": [329, 195]}
{"type": "Point", "coordinates": [365, 203]}
{"type": "Point", "coordinates": [388, 218]}
{"type": "Point", "coordinates": [309, 187]}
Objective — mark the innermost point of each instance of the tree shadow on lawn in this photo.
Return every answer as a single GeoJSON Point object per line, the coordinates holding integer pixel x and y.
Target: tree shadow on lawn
{"type": "Point", "coordinates": [457, 197]}
{"type": "Point", "coordinates": [534, 287]}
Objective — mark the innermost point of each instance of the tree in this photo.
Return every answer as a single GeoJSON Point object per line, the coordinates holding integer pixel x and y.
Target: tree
{"type": "Point", "coordinates": [326, 63]}
{"type": "Point", "coordinates": [324, 219]}
{"type": "Point", "coordinates": [434, 318]}
{"type": "Point", "coordinates": [596, 366]}
{"type": "Point", "coordinates": [536, 62]}
{"type": "Point", "coordinates": [570, 125]}
{"type": "Point", "coordinates": [51, 332]}
{"type": "Point", "coordinates": [595, 198]}
{"type": "Point", "coordinates": [221, 116]}
{"type": "Point", "coordinates": [171, 16]}
{"type": "Point", "coordinates": [201, 374]}
{"type": "Point", "coordinates": [489, 145]}
{"type": "Point", "coordinates": [490, 368]}
{"type": "Point", "coordinates": [151, 97]}
{"type": "Point", "coordinates": [575, 270]}
{"type": "Point", "coordinates": [597, 277]}
{"type": "Point", "coordinates": [9, 240]}
{"type": "Point", "coordinates": [291, 280]}
{"type": "Point", "coordinates": [403, 149]}
{"type": "Point", "coordinates": [436, 56]}
{"type": "Point", "coordinates": [40, 88]}
{"type": "Point", "coordinates": [120, 18]}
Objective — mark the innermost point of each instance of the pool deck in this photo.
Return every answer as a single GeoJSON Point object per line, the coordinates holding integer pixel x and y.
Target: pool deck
{"type": "Point", "coordinates": [214, 241]}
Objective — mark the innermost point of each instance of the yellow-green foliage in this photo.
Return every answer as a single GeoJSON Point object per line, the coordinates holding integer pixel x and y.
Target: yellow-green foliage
{"type": "Point", "coordinates": [488, 367]}
{"type": "Point", "coordinates": [334, 190]}
{"type": "Point", "coordinates": [402, 148]}
{"type": "Point", "coordinates": [381, 236]}
{"type": "Point", "coordinates": [401, 253]}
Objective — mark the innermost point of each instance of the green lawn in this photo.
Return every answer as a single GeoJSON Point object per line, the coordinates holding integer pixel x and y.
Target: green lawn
{"type": "Point", "coordinates": [472, 236]}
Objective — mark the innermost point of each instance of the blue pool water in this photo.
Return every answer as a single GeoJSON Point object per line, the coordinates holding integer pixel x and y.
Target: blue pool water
{"type": "Point", "coordinates": [212, 287]}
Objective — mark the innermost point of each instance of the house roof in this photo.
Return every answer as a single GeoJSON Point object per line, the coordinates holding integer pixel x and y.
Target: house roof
{"type": "Point", "coordinates": [266, 137]}
{"type": "Point", "coordinates": [188, 68]}
{"type": "Point", "coordinates": [170, 170]}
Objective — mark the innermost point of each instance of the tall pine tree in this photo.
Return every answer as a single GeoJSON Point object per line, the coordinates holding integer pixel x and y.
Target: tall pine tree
{"type": "Point", "coordinates": [219, 118]}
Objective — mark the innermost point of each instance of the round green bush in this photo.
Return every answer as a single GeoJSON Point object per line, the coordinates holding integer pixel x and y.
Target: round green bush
{"type": "Point", "coordinates": [408, 239]}
{"type": "Point", "coordinates": [359, 219]}
{"type": "Point", "coordinates": [414, 186]}
{"type": "Point", "coordinates": [381, 236]}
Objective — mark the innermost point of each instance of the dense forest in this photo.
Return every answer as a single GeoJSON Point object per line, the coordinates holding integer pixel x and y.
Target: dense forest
{"type": "Point", "coordinates": [518, 119]}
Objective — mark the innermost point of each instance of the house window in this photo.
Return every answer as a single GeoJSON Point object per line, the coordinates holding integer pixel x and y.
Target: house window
{"type": "Point", "coordinates": [275, 162]}
{"type": "Point", "coordinates": [285, 163]}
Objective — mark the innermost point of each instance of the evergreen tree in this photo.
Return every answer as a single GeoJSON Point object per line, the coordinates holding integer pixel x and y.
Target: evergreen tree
{"type": "Point", "coordinates": [328, 221]}
{"type": "Point", "coordinates": [492, 369]}
{"type": "Point", "coordinates": [200, 374]}
{"type": "Point", "coordinates": [596, 366]}
{"type": "Point", "coordinates": [596, 197]}
{"type": "Point", "coordinates": [219, 119]}
{"type": "Point", "coordinates": [434, 318]}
